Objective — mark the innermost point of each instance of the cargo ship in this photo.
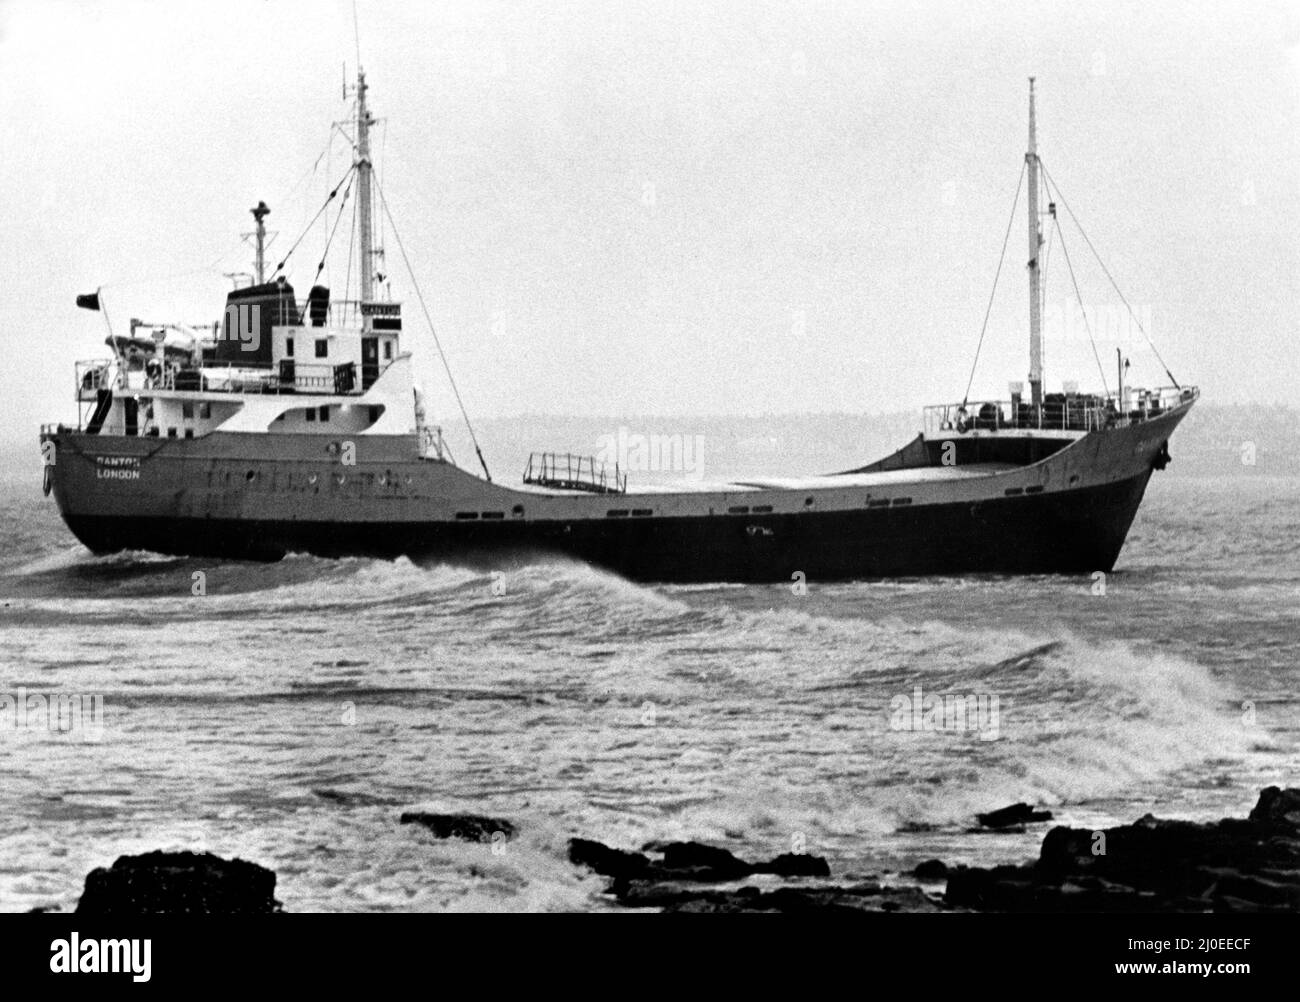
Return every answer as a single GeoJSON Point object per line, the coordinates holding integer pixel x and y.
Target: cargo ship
{"type": "Point", "coordinates": [295, 426]}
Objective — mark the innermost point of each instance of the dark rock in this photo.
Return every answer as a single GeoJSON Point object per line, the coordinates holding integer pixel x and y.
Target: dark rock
{"type": "Point", "coordinates": [1278, 809]}
{"type": "Point", "coordinates": [704, 862]}
{"type": "Point", "coordinates": [682, 861]}
{"type": "Point", "coordinates": [606, 861]}
{"type": "Point", "coordinates": [931, 869]}
{"type": "Point", "coordinates": [790, 864]}
{"type": "Point", "coordinates": [1153, 866]}
{"type": "Point", "coordinates": [179, 883]}
{"type": "Point", "coordinates": [1016, 814]}
{"type": "Point", "coordinates": [468, 827]}
{"type": "Point", "coordinates": [681, 876]}
{"type": "Point", "coordinates": [855, 900]}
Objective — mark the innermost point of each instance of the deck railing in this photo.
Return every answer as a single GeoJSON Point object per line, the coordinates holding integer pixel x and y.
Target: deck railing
{"type": "Point", "coordinates": [565, 471]}
{"type": "Point", "coordinates": [1058, 411]}
{"type": "Point", "coordinates": [215, 377]}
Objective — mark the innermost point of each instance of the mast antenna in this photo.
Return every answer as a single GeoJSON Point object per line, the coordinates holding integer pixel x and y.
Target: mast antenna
{"type": "Point", "coordinates": [365, 176]}
{"type": "Point", "coordinates": [1035, 242]}
{"type": "Point", "coordinates": [261, 240]}
{"type": "Point", "coordinates": [260, 212]}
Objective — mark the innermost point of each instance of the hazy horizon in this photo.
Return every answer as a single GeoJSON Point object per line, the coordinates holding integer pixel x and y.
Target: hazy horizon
{"type": "Point", "coordinates": [690, 208]}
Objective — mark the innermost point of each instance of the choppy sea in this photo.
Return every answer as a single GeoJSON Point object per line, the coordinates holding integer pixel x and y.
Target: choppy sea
{"type": "Point", "coordinates": [290, 713]}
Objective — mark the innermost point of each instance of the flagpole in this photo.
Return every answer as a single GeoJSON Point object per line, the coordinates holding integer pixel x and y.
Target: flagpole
{"type": "Point", "coordinates": [99, 296]}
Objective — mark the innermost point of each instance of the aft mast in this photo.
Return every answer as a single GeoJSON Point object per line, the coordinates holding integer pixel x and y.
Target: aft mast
{"type": "Point", "coordinates": [1035, 242]}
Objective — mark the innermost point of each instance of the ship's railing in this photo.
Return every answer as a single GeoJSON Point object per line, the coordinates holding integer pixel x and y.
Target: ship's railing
{"type": "Point", "coordinates": [353, 313]}
{"type": "Point", "coordinates": [288, 377]}
{"type": "Point", "coordinates": [95, 374]}
{"type": "Point", "coordinates": [1058, 411]}
{"type": "Point", "coordinates": [565, 471]}
{"type": "Point", "coordinates": [433, 445]}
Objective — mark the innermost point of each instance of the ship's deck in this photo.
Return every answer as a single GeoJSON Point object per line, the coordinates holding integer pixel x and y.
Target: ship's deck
{"type": "Point", "coordinates": [923, 474]}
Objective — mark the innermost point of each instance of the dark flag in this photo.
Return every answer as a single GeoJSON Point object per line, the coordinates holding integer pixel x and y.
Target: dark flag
{"type": "Point", "coordinates": [90, 301]}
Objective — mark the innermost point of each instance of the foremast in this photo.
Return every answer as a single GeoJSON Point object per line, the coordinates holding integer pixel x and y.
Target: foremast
{"type": "Point", "coordinates": [1035, 243]}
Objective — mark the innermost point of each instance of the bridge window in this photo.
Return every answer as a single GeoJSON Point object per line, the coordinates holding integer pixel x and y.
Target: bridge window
{"type": "Point", "coordinates": [324, 412]}
{"type": "Point", "coordinates": [322, 347]}
{"type": "Point", "coordinates": [288, 347]}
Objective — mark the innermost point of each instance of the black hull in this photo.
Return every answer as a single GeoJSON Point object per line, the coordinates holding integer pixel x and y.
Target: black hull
{"type": "Point", "coordinates": [1077, 531]}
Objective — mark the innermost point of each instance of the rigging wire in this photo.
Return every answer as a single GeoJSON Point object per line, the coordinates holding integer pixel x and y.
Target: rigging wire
{"type": "Point", "coordinates": [1047, 257]}
{"type": "Point", "coordinates": [1109, 277]}
{"type": "Point", "coordinates": [988, 309]}
{"type": "Point", "coordinates": [429, 320]}
{"type": "Point", "coordinates": [379, 171]}
{"type": "Point", "coordinates": [356, 32]}
{"type": "Point", "coordinates": [1042, 288]}
{"type": "Point", "coordinates": [211, 267]}
{"type": "Point", "coordinates": [1087, 326]}
{"type": "Point", "coordinates": [338, 219]}
{"type": "Point", "coordinates": [280, 267]}
{"type": "Point", "coordinates": [352, 242]}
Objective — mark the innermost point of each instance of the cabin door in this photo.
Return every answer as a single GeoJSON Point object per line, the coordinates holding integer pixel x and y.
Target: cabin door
{"type": "Point", "coordinates": [132, 409]}
{"type": "Point", "coordinates": [369, 361]}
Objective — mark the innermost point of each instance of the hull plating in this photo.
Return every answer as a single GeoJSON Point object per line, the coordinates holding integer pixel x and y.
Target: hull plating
{"type": "Point", "coordinates": [1075, 531]}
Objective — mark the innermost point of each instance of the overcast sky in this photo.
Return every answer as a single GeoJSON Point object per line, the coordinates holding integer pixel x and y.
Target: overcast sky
{"type": "Point", "coordinates": [661, 208]}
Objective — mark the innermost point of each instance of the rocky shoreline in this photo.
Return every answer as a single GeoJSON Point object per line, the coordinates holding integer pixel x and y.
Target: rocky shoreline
{"type": "Point", "coordinates": [1149, 866]}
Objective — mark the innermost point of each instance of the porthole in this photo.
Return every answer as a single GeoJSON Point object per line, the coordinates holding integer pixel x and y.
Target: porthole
{"type": "Point", "coordinates": [340, 479]}
{"type": "Point", "coordinates": [250, 476]}
{"type": "Point", "coordinates": [311, 478]}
